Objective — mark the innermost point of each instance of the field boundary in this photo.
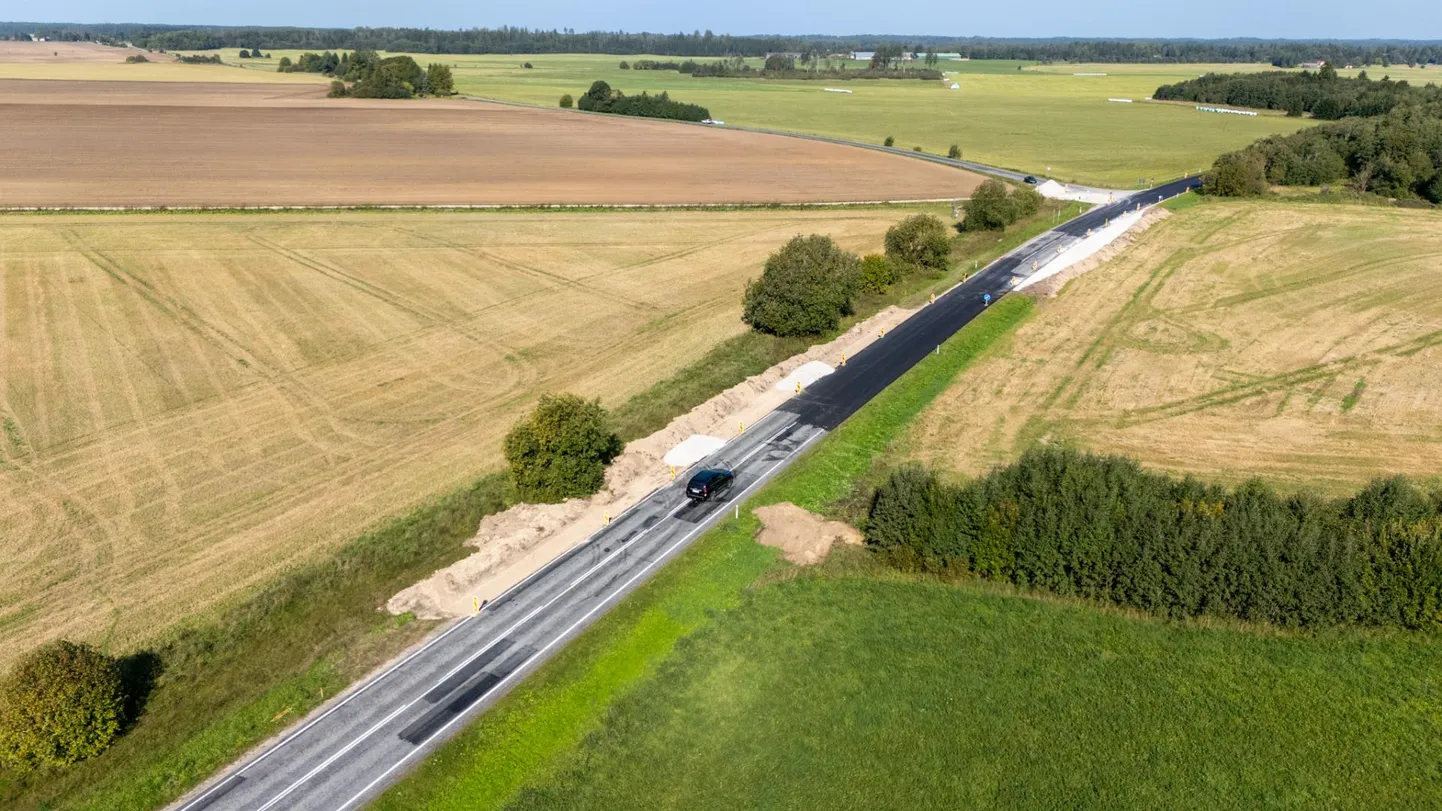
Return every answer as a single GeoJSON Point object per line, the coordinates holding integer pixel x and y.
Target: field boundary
{"type": "Point", "coordinates": [454, 207]}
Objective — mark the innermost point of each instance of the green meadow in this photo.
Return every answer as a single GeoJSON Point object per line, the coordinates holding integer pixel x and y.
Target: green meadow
{"type": "Point", "coordinates": [1039, 119]}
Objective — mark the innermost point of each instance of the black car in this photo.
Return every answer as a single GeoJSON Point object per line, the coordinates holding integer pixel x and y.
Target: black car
{"type": "Point", "coordinates": [1032, 180]}
{"type": "Point", "coordinates": [709, 484]}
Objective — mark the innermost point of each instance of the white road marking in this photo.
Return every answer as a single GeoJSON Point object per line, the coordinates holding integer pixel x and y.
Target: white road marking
{"type": "Point", "coordinates": [567, 590]}
{"type": "Point", "coordinates": [621, 589]}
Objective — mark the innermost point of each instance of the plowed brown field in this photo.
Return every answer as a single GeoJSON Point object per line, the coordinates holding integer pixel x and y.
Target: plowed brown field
{"type": "Point", "coordinates": [177, 144]}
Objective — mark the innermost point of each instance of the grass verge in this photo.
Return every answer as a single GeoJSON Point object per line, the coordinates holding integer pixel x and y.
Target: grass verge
{"type": "Point", "coordinates": [520, 741]}
{"type": "Point", "coordinates": [843, 691]}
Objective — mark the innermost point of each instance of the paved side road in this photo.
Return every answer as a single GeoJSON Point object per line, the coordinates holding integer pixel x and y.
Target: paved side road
{"type": "Point", "coordinates": [347, 752]}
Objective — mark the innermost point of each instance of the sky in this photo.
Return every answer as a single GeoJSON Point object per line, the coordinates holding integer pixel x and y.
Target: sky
{"type": "Point", "coordinates": [1292, 19]}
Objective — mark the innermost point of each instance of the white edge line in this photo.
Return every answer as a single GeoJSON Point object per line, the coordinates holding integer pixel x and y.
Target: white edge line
{"type": "Point", "coordinates": [604, 603]}
{"type": "Point", "coordinates": [567, 590]}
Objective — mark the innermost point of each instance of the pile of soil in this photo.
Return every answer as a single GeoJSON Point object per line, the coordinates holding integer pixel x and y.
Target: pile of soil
{"type": "Point", "coordinates": [804, 538]}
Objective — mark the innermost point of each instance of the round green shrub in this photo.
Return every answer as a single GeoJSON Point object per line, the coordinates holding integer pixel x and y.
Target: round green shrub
{"type": "Point", "coordinates": [805, 288]}
{"type": "Point", "coordinates": [561, 449]}
{"type": "Point", "coordinates": [877, 273]}
{"type": "Point", "coordinates": [62, 703]}
{"type": "Point", "coordinates": [921, 241]}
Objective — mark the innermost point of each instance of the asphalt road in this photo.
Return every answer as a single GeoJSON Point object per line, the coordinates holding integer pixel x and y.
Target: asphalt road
{"type": "Point", "coordinates": [348, 751]}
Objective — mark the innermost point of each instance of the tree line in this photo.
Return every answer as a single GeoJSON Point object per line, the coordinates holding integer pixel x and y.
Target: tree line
{"type": "Point", "coordinates": [602, 98]}
{"type": "Point", "coordinates": [1285, 53]}
{"type": "Point", "coordinates": [1323, 94]}
{"type": "Point", "coordinates": [364, 74]}
{"type": "Point", "coordinates": [810, 65]}
{"type": "Point", "coordinates": [1102, 528]}
{"type": "Point", "coordinates": [1382, 137]}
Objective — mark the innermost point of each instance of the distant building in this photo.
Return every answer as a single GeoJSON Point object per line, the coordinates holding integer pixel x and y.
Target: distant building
{"type": "Point", "coordinates": [1315, 64]}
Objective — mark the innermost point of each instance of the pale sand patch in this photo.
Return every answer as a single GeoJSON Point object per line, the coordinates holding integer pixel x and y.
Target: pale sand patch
{"type": "Point", "coordinates": [803, 537]}
{"type": "Point", "coordinates": [1052, 285]}
{"type": "Point", "coordinates": [513, 544]}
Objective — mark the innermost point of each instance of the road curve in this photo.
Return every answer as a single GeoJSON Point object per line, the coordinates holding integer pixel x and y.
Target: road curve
{"type": "Point", "coordinates": [350, 750]}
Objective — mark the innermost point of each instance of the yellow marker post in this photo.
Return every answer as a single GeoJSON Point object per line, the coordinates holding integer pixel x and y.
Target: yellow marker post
{"type": "Point", "coordinates": [673, 473]}
{"type": "Point", "coordinates": [882, 334]}
{"type": "Point", "coordinates": [476, 604]}
{"type": "Point", "coordinates": [843, 358]}
{"type": "Point", "coordinates": [933, 298]}
{"type": "Point", "coordinates": [798, 387]}
{"type": "Point", "coordinates": [740, 427]}
{"type": "Point", "coordinates": [607, 515]}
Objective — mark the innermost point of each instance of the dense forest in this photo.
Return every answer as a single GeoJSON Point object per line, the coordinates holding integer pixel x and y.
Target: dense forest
{"type": "Point", "coordinates": [1104, 529]}
{"type": "Point", "coordinates": [1383, 138]}
{"type": "Point", "coordinates": [525, 41]}
{"type": "Point", "coordinates": [1323, 94]}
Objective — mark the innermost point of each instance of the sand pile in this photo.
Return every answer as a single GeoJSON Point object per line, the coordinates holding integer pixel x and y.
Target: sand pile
{"type": "Point", "coordinates": [513, 544]}
{"type": "Point", "coordinates": [803, 537]}
{"type": "Point", "coordinates": [1052, 285]}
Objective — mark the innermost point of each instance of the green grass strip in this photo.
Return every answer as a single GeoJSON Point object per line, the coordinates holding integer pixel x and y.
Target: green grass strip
{"type": "Point", "coordinates": [521, 740]}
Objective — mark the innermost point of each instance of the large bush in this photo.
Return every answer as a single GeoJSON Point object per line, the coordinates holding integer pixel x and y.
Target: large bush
{"type": "Point", "coordinates": [561, 449]}
{"type": "Point", "coordinates": [877, 273]}
{"type": "Point", "coordinates": [440, 80]}
{"type": "Point", "coordinates": [1102, 528]}
{"type": "Point", "coordinates": [1237, 174]}
{"type": "Point", "coordinates": [62, 703]}
{"type": "Point", "coordinates": [805, 288]}
{"type": "Point", "coordinates": [920, 240]}
{"type": "Point", "coordinates": [989, 208]}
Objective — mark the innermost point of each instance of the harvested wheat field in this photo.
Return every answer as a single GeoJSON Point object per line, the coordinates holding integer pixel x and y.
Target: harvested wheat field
{"type": "Point", "coordinates": [221, 145]}
{"type": "Point", "coordinates": [1299, 343]}
{"type": "Point", "coordinates": [192, 403]}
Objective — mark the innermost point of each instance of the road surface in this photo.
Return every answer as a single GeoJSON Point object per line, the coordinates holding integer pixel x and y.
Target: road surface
{"type": "Point", "coordinates": [350, 750]}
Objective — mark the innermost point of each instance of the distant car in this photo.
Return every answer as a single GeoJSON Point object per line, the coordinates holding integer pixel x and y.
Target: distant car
{"type": "Point", "coordinates": [709, 484]}
{"type": "Point", "coordinates": [1032, 180]}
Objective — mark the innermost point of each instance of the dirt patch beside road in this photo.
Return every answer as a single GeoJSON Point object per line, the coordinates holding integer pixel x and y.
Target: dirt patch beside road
{"type": "Point", "coordinates": [803, 537]}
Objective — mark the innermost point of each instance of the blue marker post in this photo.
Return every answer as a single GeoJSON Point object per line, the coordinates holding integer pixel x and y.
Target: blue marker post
{"type": "Point", "coordinates": [986, 299]}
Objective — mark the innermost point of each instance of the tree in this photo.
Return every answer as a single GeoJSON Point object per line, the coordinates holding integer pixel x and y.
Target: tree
{"type": "Point", "coordinates": [526, 65]}
{"type": "Point", "coordinates": [954, 152]}
{"type": "Point", "coordinates": [625, 65]}
{"type": "Point", "coordinates": [561, 449]}
{"type": "Point", "coordinates": [244, 54]}
{"type": "Point", "coordinates": [62, 703]}
{"type": "Point", "coordinates": [567, 101]}
{"type": "Point", "coordinates": [284, 65]}
{"type": "Point", "coordinates": [441, 81]}
{"type": "Point", "coordinates": [1237, 174]}
{"type": "Point", "coordinates": [337, 89]}
{"type": "Point", "coordinates": [989, 208]}
{"type": "Point", "coordinates": [918, 241]}
{"type": "Point", "coordinates": [877, 273]}
{"type": "Point", "coordinates": [889, 141]}
{"type": "Point", "coordinates": [805, 288]}
{"type": "Point", "coordinates": [1025, 201]}
{"type": "Point", "coordinates": [780, 63]}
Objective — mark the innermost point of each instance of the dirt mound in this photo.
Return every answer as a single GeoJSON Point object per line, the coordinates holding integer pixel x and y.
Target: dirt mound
{"type": "Point", "coordinates": [1050, 287]}
{"type": "Point", "coordinates": [803, 537]}
{"type": "Point", "coordinates": [512, 544]}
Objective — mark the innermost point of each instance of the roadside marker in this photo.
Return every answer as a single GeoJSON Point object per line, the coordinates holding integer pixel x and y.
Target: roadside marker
{"type": "Point", "coordinates": [798, 387]}
{"type": "Point", "coordinates": [883, 333]}
{"type": "Point", "coordinates": [673, 473]}
{"type": "Point", "coordinates": [740, 427]}
{"type": "Point", "coordinates": [843, 358]}
{"type": "Point", "coordinates": [607, 515]}
{"type": "Point", "coordinates": [476, 604]}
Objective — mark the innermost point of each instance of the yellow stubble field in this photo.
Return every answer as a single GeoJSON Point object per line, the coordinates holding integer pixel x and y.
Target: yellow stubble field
{"type": "Point", "coordinates": [192, 403]}
{"type": "Point", "coordinates": [1299, 343]}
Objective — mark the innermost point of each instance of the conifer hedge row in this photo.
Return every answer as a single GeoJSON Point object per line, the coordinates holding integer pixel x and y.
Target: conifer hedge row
{"type": "Point", "coordinates": [1102, 528]}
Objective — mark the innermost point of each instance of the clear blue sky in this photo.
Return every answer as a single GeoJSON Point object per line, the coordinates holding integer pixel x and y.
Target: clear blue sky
{"type": "Point", "coordinates": [1297, 19]}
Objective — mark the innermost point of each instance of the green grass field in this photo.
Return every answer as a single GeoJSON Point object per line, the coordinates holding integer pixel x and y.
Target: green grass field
{"type": "Point", "coordinates": [1010, 114]}
{"type": "Point", "coordinates": [853, 692]}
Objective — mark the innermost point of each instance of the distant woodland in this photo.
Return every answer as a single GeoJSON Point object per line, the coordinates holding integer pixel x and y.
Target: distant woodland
{"type": "Point", "coordinates": [698, 43]}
